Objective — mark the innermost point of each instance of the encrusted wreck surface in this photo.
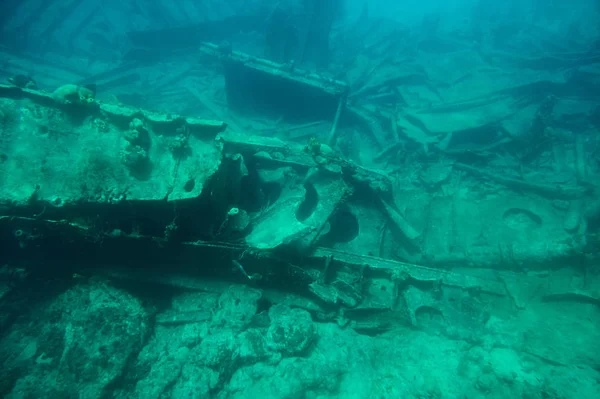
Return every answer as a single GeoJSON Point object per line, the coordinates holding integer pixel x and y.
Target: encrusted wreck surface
{"type": "Point", "coordinates": [61, 156]}
{"type": "Point", "coordinates": [130, 181]}
{"type": "Point", "coordinates": [418, 219]}
{"type": "Point", "coordinates": [67, 154]}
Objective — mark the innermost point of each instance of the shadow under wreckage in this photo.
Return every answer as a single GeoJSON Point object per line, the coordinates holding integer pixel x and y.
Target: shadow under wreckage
{"type": "Point", "coordinates": [164, 200]}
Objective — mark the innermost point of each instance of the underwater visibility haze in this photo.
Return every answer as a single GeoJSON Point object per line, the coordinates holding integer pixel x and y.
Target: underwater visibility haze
{"type": "Point", "coordinates": [300, 199]}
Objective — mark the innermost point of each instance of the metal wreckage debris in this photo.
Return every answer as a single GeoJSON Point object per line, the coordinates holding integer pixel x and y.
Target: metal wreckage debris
{"type": "Point", "coordinates": [106, 189]}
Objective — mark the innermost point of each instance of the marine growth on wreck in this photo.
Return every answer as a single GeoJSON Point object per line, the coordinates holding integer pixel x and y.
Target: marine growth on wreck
{"type": "Point", "coordinates": [300, 199]}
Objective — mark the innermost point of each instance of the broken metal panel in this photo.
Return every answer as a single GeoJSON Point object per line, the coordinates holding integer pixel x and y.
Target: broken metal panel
{"type": "Point", "coordinates": [299, 215]}
{"type": "Point", "coordinates": [457, 226]}
{"type": "Point", "coordinates": [298, 76]}
{"type": "Point", "coordinates": [509, 231]}
{"type": "Point", "coordinates": [403, 270]}
{"type": "Point", "coordinates": [258, 84]}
